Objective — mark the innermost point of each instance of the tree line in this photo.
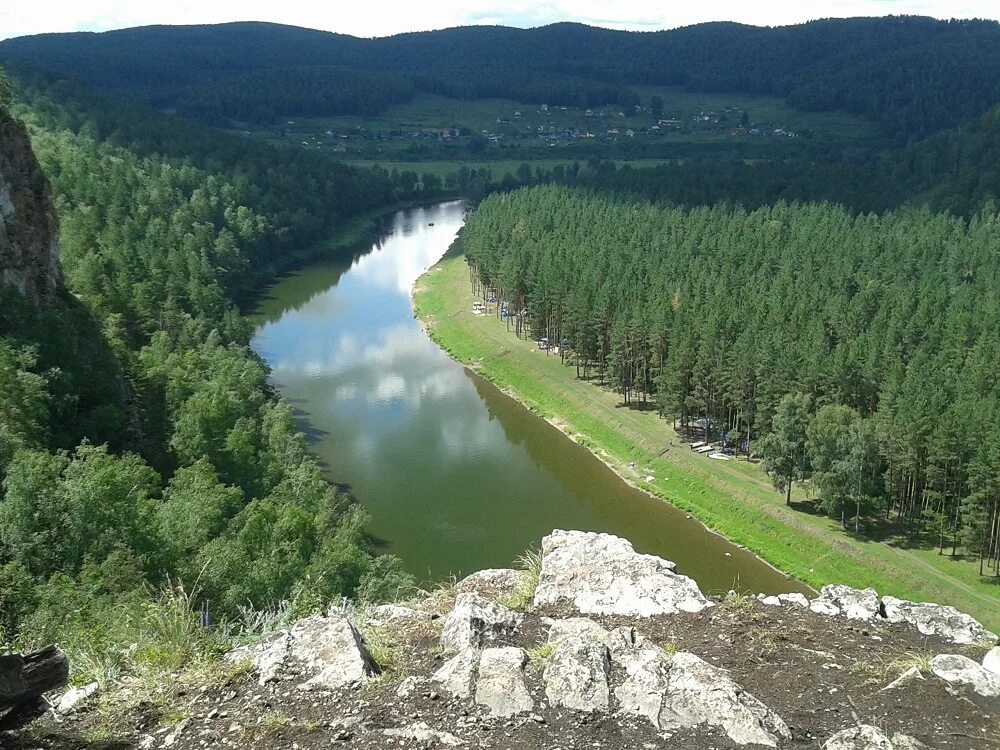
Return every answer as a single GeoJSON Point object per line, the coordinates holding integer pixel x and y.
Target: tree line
{"type": "Point", "coordinates": [857, 351]}
{"type": "Point", "coordinates": [915, 76]}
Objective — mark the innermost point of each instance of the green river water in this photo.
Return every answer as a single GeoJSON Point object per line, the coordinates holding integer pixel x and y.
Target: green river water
{"type": "Point", "coordinates": [455, 474]}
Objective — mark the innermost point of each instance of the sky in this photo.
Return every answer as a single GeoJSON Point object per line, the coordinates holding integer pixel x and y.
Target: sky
{"type": "Point", "coordinates": [384, 17]}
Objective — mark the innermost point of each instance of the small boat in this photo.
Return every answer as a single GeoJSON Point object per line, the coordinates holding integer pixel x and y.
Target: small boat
{"type": "Point", "coordinates": [431, 224]}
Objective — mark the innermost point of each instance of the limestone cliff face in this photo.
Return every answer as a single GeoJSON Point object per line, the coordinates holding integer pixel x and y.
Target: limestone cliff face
{"type": "Point", "coordinates": [29, 229]}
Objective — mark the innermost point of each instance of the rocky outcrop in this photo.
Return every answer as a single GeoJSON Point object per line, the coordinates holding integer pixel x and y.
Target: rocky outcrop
{"type": "Point", "coordinates": [29, 229]}
{"type": "Point", "coordinates": [854, 604]}
{"type": "Point", "coordinates": [475, 621]}
{"type": "Point", "coordinates": [576, 675]}
{"type": "Point", "coordinates": [937, 619]}
{"type": "Point", "coordinates": [468, 671]}
{"type": "Point", "coordinates": [501, 686]}
{"type": "Point", "coordinates": [867, 737]}
{"type": "Point", "coordinates": [320, 652]}
{"type": "Point", "coordinates": [782, 600]}
{"type": "Point", "coordinates": [603, 575]}
{"type": "Point", "coordinates": [683, 690]}
{"type": "Point", "coordinates": [458, 675]}
{"type": "Point", "coordinates": [384, 614]}
{"type": "Point", "coordinates": [962, 670]}
{"type": "Point", "coordinates": [495, 583]}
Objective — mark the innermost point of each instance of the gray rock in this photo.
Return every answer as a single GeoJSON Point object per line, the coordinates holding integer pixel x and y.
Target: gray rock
{"type": "Point", "coordinates": [577, 627]}
{"type": "Point", "coordinates": [330, 649]}
{"type": "Point", "coordinates": [386, 613]}
{"type": "Point", "coordinates": [646, 682]}
{"type": "Point", "coordinates": [474, 621]}
{"type": "Point", "coordinates": [74, 698]}
{"type": "Point", "coordinates": [458, 674]}
{"type": "Point", "coordinates": [991, 662]}
{"type": "Point", "coordinates": [906, 742]}
{"type": "Point", "coordinates": [621, 642]}
{"type": "Point", "coordinates": [685, 691]}
{"type": "Point", "coordinates": [905, 678]}
{"type": "Point", "coordinates": [863, 737]}
{"type": "Point", "coordinates": [500, 686]}
{"type": "Point", "coordinates": [786, 600]}
{"type": "Point", "coordinates": [576, 675]}
{"type": "Point", "coordinates": [29, 226]}
{"type": "Point", "coordinates": [603, 574]}
{"type": "Point", "coordinates": [409, 686]}
{"type": "Point", "coordinates": [854, 604]}
{"type": "Point", "coordinates": [421, 732]}
{"type": "Point", "coordinates": [175, 735]}
{"type": "Point", "coordinates": [964, 671]}
{"type": "Point", "coordinates": [495, 583]}
{"type": "Point", "coordinates": [937, 619]}
{"type": "Point", "coordinates": [269, 659]}
{"type": "Point", "coordinates": [699, 693]}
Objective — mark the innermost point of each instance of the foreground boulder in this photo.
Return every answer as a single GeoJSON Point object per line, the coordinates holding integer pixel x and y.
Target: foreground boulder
{"type": "Point", "coordinates": [964, 671]}
{"type": "Point", "coordinates": [991, 661]}
{"type": "Point", "coordinates": [843, 601]}
{"type": "Point", "coordinates": [328, 651]}
{"type": "Point", "coordinates": [576, 675]}
{"type": "Point", "coordinates": [331, 648]}
{"type": "Point", "coordinates": [603, 575]}
{"type": "Point", "coordinates": [785, 600]}
{"type": "Point", "coordinates": [458, 675]}
{"type": "Point", "coordinates": [683, 690]}
{"type": "Point", "coordinates": [501, 686]}
{"type": "Point", "coordinates": [937, 619]}
{"type": "Point", "coordinates": [495, 583]}
{"type": "Point", "coordinates": [475, 621]}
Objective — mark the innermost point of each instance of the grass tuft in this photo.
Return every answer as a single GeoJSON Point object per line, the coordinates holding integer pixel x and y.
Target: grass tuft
{"type": "Point", "coordinates": [530, 565]}
{"type": "Point", "coordinates": [541, 652]}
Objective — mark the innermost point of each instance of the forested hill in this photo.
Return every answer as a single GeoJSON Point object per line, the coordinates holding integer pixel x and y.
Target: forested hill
{"type": "Point", "coordinates": [145, 461]}
{"type": "Point", "coordinates": [914, 75]}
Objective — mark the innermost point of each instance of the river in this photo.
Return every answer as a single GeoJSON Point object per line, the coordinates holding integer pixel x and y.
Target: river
{"type": "Point", "coordinates": [456, 475]}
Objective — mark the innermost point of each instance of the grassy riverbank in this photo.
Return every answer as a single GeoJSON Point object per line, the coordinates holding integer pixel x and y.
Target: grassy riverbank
{"type": "Point", "coordinates": [733, 498]}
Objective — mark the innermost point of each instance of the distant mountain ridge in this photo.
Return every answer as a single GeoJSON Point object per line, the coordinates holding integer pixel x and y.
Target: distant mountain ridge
{"type": "Point", "coordinates": [914, 75]}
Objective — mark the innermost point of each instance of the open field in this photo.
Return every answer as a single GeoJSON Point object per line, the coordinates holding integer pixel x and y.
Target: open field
{"type": "Point", "coordinates": [515, 130]}
{"type": "Point", "coordinates": [733, 498]}
{"type": "Point", "coordinates": [497, 168]}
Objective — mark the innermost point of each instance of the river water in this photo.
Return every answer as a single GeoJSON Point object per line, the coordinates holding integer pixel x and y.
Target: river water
{"type": "Point", "coordinates": [455, 474]}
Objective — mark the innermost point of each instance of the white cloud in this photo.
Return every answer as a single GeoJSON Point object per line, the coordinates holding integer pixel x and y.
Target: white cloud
{"type": "Point", "coordinates": [379, 18]}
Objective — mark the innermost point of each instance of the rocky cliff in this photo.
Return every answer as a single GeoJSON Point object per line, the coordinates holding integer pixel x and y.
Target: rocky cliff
{"type": "Point", "coordinates": [29, 230]}
{"type": "Point", "coordinates": [598, 647]}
